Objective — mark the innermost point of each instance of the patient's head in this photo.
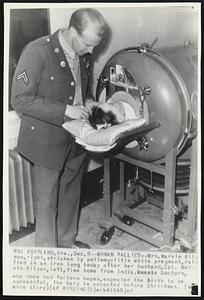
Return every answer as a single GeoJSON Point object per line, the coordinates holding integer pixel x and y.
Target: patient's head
{"type": "Point", "coordinates": [99, 118]}
{"type": "Point", "coordinates": [115, 107]}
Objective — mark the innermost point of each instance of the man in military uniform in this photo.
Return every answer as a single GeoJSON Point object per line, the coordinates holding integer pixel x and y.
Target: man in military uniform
{"type": "Point", "coordinates": [51, 86]}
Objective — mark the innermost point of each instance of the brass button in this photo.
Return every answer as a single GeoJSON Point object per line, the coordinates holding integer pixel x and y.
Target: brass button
{"type": "Point", "coordinates": [32, 128]}
{"type": "Point", "coordinates": [52, 78]}
{"type": "Point", "coordinates": [70, 97]}
{"type": "Point", "coordinates": [63, 64]}
{"type": "Point", "coordinates": [56, 50]}
{"type": "Point", "coordinates": [72, 83]}
{"type": "Point", "coordinates": [48, 39]}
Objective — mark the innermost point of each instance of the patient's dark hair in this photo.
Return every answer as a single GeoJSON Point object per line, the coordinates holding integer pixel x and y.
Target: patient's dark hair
{"type": "Point", "coordinates": [99, 116]}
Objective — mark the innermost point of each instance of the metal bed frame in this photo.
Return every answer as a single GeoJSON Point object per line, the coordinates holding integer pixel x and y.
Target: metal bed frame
{"type": "Point", "coordinates": [167, 223]}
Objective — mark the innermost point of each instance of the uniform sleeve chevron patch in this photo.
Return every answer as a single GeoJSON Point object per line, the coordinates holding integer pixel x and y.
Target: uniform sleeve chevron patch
{"type": "Point", "coordinates": [23, 76]}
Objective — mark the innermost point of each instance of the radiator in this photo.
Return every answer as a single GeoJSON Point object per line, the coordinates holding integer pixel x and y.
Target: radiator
{"type": "Point", "coordinates": [21, 196]}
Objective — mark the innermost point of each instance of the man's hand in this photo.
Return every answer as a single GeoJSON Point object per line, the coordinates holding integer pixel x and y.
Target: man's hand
{"type": "Point", "coordinates": [89, 103]}
{"type": "Point", "coordinates": [76, 112]}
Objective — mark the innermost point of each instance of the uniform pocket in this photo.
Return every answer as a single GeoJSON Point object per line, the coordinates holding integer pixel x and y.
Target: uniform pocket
{"type": "Point", "coordinates": [54, 85]}
{"type": "Point", "coordinates": [53, 76]}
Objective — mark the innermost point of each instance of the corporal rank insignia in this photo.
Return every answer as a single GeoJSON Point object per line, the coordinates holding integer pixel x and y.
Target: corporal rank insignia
{"type": "Point", "coordinates": [23, 76]}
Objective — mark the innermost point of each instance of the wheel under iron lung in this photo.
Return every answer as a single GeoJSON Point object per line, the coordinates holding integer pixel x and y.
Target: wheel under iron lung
{"type": "Point", "coordinates": [165, 87]}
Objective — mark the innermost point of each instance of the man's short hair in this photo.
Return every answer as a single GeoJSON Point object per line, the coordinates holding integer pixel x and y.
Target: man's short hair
{"type": "Point", "coordinates": [84, 16]}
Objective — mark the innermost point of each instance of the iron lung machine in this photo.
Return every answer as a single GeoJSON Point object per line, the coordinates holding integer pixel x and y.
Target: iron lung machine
{"type": "Point", "coordinates": [163, 85]}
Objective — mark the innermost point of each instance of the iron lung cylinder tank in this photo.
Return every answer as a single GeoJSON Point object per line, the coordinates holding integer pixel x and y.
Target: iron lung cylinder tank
{"type": "Point", "coordinates": [166, 86]}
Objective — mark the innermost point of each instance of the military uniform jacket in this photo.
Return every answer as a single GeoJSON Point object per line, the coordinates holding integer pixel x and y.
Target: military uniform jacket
{"type": "Point", "coordinates": [43, 85]}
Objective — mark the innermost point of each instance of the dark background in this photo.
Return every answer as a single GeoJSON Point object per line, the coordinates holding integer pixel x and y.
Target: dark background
{"type": "Point", "coordinates": [26, 25]}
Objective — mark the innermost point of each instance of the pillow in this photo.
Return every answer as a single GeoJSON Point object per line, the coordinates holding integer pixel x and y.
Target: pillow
{"type": "Point", "coordinates": [100, 139]}
{"type": "Point", "coordinates": [95, 148]}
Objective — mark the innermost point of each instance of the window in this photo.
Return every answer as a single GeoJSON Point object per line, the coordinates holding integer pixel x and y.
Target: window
{"type": "Point", "coordinates": [26, 25]}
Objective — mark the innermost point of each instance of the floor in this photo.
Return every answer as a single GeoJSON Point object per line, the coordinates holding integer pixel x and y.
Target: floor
{"type": "Point", "coordinates": [89, 230]}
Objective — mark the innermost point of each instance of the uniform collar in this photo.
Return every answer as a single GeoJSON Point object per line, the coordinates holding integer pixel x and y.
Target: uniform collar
{"type": "Point", "coordinates": [58, 52]}
{"type": "Point", "coordinates": [65, 46]}
{"type": "Point", "coordinates": [60, 57]}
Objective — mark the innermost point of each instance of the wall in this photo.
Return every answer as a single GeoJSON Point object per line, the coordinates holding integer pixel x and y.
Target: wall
{"type": "Point", "coordinates": [133, 26]}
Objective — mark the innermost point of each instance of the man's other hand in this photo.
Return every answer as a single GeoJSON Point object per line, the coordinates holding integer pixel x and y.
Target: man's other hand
{"type": "Point", "coordinates": [76, 112]}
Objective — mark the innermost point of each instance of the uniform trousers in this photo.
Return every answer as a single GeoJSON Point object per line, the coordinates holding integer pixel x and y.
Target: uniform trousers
{"type": "Point", "coordinates": [57, 198]}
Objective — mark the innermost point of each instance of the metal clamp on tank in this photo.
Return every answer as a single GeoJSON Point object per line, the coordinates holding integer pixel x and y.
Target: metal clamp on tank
{"type": "Point", "coordinates": [104, 83]}
{"type": "Point", "coordinates": [144, 47]}
{"type": "Point", "coordinates": [142, 93]}
{"type": "Point", "coordinates": [141, 49]}
{"type": "Point", "coordinates": [143, 143]}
